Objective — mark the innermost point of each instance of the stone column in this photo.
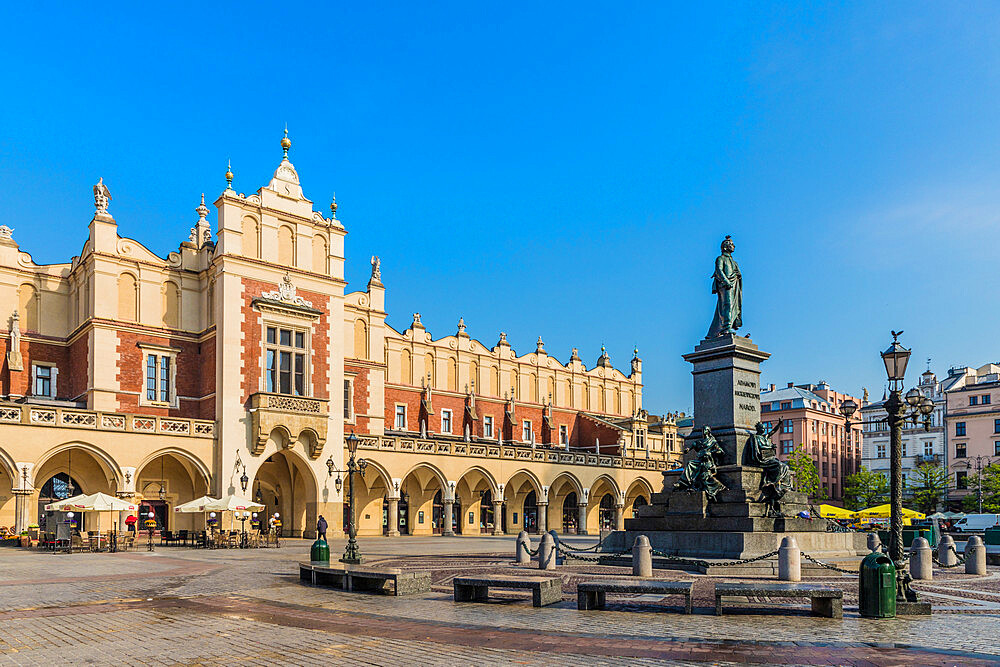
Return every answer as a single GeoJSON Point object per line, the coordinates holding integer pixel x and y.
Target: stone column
{"type": "Point", "coordinates": [620, 517]}
{"type": "Point", "coordinates": [498, 517]}
{"type": "Point", "coordinates": [393, 517]}
{"type": "Point", "coordinates": [21, 502]}
{"type": "Point", "coordinates": [581, 521]}
{"type": "Point", "coordinates": [448, 518]}
{"type": "Point", "coordinates": [543, 517]}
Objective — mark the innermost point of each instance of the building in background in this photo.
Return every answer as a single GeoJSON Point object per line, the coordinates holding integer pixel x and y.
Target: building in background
{"type": "Point", "coordinates": [809, 415]}
{"type": "Point", "coordinates": [972, 425]}
{"type": "Point", "coordinates": [919, 445]}
{"type": "Point", "coordinates": [239, 363]}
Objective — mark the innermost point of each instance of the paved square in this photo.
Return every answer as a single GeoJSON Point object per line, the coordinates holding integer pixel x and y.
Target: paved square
{"type": "Point", "coordinates": [186, 606]}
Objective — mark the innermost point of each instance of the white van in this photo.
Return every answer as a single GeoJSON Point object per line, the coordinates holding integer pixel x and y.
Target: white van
{"type": "Point", "coordinates": [976, 523]}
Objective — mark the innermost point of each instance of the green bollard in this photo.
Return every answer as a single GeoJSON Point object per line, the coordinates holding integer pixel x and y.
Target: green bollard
{"type": "Point", "coordinates": [320, 551]}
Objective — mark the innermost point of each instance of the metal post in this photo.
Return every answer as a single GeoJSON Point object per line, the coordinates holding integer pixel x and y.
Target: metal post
{"type": "Point", "coordinates": [351, 554]}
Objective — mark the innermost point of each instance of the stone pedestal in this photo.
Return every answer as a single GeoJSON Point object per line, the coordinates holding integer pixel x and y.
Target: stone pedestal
{"type": "Point", "coordinates": [735, 525]}
{"type": "Point", "coordinates": [726, 392]}
{"type": "Point", "coordinates": [392, 517]}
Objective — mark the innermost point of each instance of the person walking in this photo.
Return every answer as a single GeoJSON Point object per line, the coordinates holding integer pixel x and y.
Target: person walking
{"type": "Point", "coordinates": [321, 527]}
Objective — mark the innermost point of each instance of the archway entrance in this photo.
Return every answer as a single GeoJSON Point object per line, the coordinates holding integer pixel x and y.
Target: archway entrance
{"type": "Point", "coordinates": [437, 516]}
{"type": "Point", "coordinates": [58, 487]}
{"type": "Point", "coordinates": [606, 513]}
{"type": "Point", "coordinates": [639, 501]}
{"type": "Point", "coordinates": [531, 512]}
{"type": "Point", "coordinates": [166, 481]}
{"type": "Point", "coordinates": [570, 513]}
{"type": "Point", "coordinates": [78, 470]}
{"type": "Point", "coordinates": [285, 484]}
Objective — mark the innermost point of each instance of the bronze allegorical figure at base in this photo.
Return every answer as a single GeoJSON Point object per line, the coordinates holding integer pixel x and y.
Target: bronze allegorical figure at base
{"type": "Point", "coordinates": [776, 479]}
{"type": "Point", "coordinates": [699, 473]}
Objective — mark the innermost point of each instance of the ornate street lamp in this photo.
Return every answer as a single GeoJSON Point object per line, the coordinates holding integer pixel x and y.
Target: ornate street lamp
{"type": "Point", "coordinates": [895, 358]}
{"type": "Point", "coordinates": [352, 554]}
{"type": "Point", "coordinates": [244, 480]}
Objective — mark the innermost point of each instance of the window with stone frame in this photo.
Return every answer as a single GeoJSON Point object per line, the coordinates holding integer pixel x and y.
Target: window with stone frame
{"type": "Point", "coordinates": [159, 376]}
{"type": "Point", "coordinates": [400, 417]}
{"type": "Point", "coordinates": [487, 426]}
{"type": "Point", "coordinates": [446, 421]}
{"type": "Point", "coordinates": [880, 450]}
{"type": "Point", "coordinates": [961, 480]}
{"type": "Point", "coordinates": [564, 434]}
{"type": "Point", "coordinates": [526, 433]}
{"type": "Point", "coordinates": [43, 382]}
{"type": "Point", "coordinates": [960, 450]}
{"type": "Point", "coordinates": [348, 400]}
{"type": "Point", "coordinates": [286, 356]}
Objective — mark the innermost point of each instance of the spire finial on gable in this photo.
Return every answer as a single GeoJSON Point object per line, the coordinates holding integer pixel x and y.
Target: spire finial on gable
{"type": "Point", "coordinates": [286, 143]}
{"type": "Point", "coordinates": [229, 174]}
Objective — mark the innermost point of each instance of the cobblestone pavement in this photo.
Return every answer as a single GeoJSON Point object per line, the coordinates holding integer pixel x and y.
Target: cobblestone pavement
{"type": "Point", "coordinates": [186, 606]}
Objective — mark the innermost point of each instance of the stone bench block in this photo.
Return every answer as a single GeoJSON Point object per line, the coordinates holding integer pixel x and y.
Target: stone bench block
{"type": "Point", "coordinates": [544, 590]}
{"type": "Point", "coordinates": [593, 594]}
{"type": "Point", "coordinates": [825, 600]}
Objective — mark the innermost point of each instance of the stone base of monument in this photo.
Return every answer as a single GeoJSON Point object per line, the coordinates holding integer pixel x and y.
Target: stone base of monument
{"type": "Point", "coordinates": [767, 569]}
{"type": "Point", "coordinates": [735, 526]}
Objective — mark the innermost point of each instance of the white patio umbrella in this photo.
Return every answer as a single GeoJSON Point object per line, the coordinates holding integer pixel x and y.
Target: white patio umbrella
{"type": "Point", "coordinates": [94, 502]}
{"type": "Point", "coordinates": [196, 505]}
{"type": "Point", "coordinates": [232, 503]}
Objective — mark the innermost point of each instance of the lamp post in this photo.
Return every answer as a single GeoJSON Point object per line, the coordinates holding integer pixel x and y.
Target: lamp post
{"type": "Point", "coordinates": [151, 525]}
{"type": "Point", "coordinates": [895, 359]}
{"type": "Point", "coordinates": [982, 462]}
{"type": "Point", "coordinates": [352, 554]}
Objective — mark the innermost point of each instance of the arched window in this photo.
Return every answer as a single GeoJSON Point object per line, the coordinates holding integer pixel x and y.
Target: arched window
{"type": "Point", "coordinates": [286, 246]}
{"type": "Point", "coordinates": [27, 305]}
{"type": "Point", "coordinates": [128, 298]}
{"type": "Point", "coordinates": [632, 407]}
{"type": "Point", "coordinates": [406, 367]}
{"type": "Point", "coordinates": [360, 339]}
{"type": "Point", "coordinates": [171, 301]}
{"type": "Point", "coordinates": [586, 395]}
{"type": "Point", "coordinates": [251, 237]}
{"type": "Point", "coordinates": [452, 374]}
{"type": "Point", "coordinates": [568, 394]}
{"type": "Point", "coordinates": [494, 381]}
{"type": "Point", "coordinates": [320, 254]}
{"type": "Point", "coordinates": [532, 388]}
{"type": "Point", "coordinates": [514, 385]}
{"type": "Point", "coordinates": [211, 304]}
{"type": "Point", "coordinates": [429, 369]}
{"type": "Point", "coordinates": [602, 399]}
{"type": "Point", "coordinates": [617, 400]}
{"type": "Point", "coordinates": [552, 390]}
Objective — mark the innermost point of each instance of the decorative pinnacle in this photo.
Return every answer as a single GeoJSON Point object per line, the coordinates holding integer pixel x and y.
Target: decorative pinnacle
{"type": "Point", "coordinates": [333, 205]}
{"type": "Point", "coordinates": [286, 143]}
{"type": "Point", "coordinates": [229, 174]}
{"type": "Point", "coordinates": [202, 210]}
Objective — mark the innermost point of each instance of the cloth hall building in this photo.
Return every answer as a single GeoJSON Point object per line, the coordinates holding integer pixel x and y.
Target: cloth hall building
{"type": "Point", "coordinates": [239, 363]}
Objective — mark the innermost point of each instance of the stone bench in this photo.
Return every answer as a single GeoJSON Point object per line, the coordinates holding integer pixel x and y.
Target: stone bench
{"type": "Point", "coordinates": [592, 594]}
{"type": "Point", "coordinates": [825, 600]}
{"type": "Point", "coordinates": [359, 578]}
{"type": "Point", "coordinates": [544, 590]}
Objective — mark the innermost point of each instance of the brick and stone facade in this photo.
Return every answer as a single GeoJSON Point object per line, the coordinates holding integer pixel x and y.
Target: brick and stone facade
{"type": "Point", "coordinates": [242, 354]}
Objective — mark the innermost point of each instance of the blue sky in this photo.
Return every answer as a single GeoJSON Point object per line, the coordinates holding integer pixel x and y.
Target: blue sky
{"type": "Point", "coordinates": [564, 170]}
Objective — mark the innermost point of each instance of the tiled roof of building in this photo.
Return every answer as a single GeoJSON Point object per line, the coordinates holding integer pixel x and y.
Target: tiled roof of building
{"type": "Point", "coordinates": [799, 398]}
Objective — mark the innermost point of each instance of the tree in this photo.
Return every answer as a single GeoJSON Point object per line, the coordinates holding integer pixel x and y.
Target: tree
{"type": "Point", "coordinates": [805, 475]}
{"type": "Point", "coordinates": [991, 491]}
{"type": "Point", "coordinates": [928, 485]}
{"type": "Point", "coordinates": [865, 489]}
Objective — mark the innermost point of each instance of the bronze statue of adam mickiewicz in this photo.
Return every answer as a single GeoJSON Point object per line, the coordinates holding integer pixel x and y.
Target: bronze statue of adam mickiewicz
{"type": "Point", "coordinates": [727, 283]}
